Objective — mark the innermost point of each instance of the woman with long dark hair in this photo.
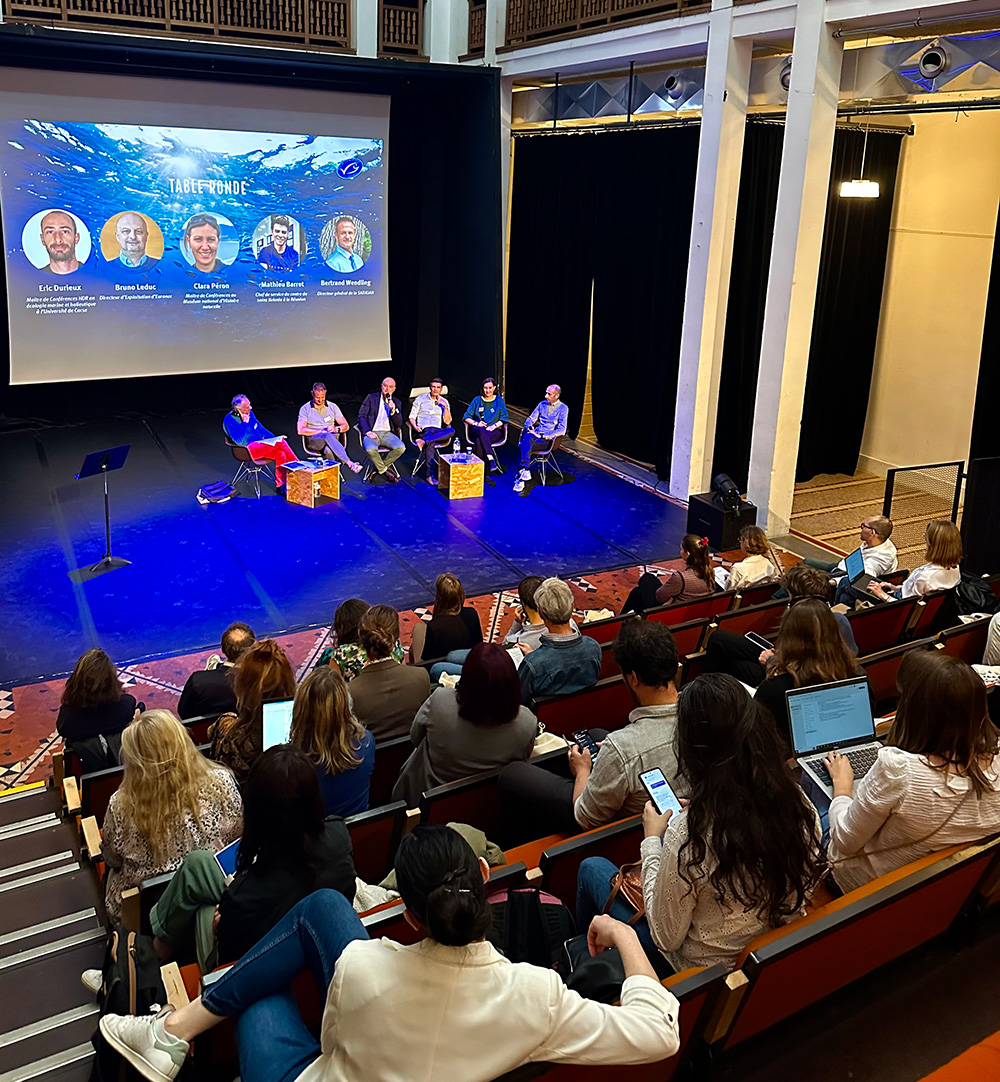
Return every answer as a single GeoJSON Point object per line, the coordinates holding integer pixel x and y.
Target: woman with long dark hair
{"type": "Point", "coordinates": [478, 725]}
{"type": "Point", "coordinates": [695, 580]}
{"type": "Point", "coordinates": [447, 1007]}
{"type": "Point", "coordinates": [742, 857]}
{"type": "Point", "coordinates": [94, 710]}
{"type": "Point", "coordinates": [454, 625]}
{"type": "Point", "coordinates": [935, 783]}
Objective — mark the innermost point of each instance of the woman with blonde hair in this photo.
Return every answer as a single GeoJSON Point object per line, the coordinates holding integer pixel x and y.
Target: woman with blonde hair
{"type": "Point", "coordinates": [262, 672]}
{"type": "Point", "coordinates": [454, 625]}
{"type": "Point", "coordinates": [339, 746]}
{"type": "Point", "coordinates": [760, 565]}
{"type": "Point", "coordinates": [171, 801]}
{"type": "Point", "coordinates": [939, 571]}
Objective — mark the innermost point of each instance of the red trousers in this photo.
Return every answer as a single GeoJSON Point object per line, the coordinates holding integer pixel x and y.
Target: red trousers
{"type": "Point", "coordinates": [279, 453]}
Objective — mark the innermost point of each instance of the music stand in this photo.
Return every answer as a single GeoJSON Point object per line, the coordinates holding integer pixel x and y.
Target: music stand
{"type": "Point", "coordinates": [102, 462]}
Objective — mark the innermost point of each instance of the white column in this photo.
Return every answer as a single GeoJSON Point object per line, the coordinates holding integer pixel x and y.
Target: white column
{"type": "Point", "coordinates": [496, 26]}
{"type": "Point", "coordinates": [803, 190]}
{"type": "Point", "coordinates": [717, 183]}
{"type": "Point", "coordinates": [366, 27]}
{"type": "Point", "coordinates": [443, 21]}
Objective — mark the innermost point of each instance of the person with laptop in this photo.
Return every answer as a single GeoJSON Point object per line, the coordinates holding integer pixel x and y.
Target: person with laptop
{"type": "Point", "coordinates": [936, 783]}
{"type": "Point", "coordinates": [877, 551]}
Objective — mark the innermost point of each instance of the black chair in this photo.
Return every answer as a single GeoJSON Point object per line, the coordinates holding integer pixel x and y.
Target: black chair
{"type": "Point", "coordinates": [247, 466]}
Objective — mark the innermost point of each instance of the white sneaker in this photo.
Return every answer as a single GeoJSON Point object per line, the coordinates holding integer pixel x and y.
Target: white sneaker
{"type": "Point", "coordinates": [518, 484]}
{"type": "Point", "coordinates": [143, 1041]}
{"type": "Point", "coordinates": [524, 475]}
{"type": "Point", "coordinates": [92, 979]}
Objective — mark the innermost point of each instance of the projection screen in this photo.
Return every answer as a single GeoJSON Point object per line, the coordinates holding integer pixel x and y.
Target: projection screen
{"type": "Point", "coordinates": [159, 227]}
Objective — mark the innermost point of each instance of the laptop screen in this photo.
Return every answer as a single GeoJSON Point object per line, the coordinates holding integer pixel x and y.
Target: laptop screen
{"type": "Point", "coordinates": [277, 722]}
{"type": "Point", "coordinates": [830, 715]}
{"type": "Point", "coordinates": [855, 564]}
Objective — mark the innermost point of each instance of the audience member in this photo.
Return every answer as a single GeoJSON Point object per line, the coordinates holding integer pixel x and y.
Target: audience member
{"type": "Point", "coordinates": [696, 580]}
{"type": "Point", "coordinates": [447, 1007]}
{"type": "Point", "coordinates": [478, 725]}
{"type": "Point", "coordinates": [210, 690]}
{"type": "Point", "coordinates": [386, 693]}
{"type": "Point", "coordinates": [609, 788]}
{"type": "Point", "coordinates": [877, 551]}
{"type": "Point", "coordinates": [810, 650]}
{"type": "Point", "coordinates": [287, 851]}
{"type": "Point", "coordinates": [348, 653]}
{"type": "Point", "coordinates": [938, 572]}
{"type": "Point", "coordinates": [564, 660]}
{"type": "Point", "coordinates": [528, 627]}
{"type": "Point", "coordinates": [741, 858]}
{"type": "Point", "coordinates": [736, 655]}
{"type": "Point", "coordinates": [95, 709]}
{"type": "Point", "coordinates": [760, 564]}
{"type": "Point", "coordinates": [338, 745]}
{"type": "Point", "coordinates": [171, 801]}
{"type": "Point", "coordinates": [262, 672]}
{"type": "Point", "coordinates": [991, 655]}
{"type": "Point", "coordinates": [454, 625]}
{"type": "Point", "coordinates": [933, 785]}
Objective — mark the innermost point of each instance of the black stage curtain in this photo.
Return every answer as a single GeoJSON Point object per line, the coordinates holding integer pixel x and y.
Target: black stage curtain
{"type": "Point", "coordinates": [647, 193]}
{"type": "Point", "coordinates": [848, 302]}
{"type": "Point", "coordinates": [985, 429]}
{"type": "Point", "coordinates": [553, 236]}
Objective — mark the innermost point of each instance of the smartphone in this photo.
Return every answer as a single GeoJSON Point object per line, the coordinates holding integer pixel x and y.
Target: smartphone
{"type": "Point", "coordinates": [585, 740]}
{"type": "Point", "coordinates": [663, 797]}
{"type": "Point", "coordinates": [759, 640]}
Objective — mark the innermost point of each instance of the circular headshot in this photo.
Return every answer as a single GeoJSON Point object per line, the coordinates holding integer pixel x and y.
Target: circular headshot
{"type": "Point", "coordinates": [279, 243]}
{"type": "Point", "coordinates": [56, 241]}
{"type": "Point", "coordinates": [209, 242]}
{"type": "Point", "coordinates": [345, 243]}
{"type": "Point", "coordinates": [132, 240]}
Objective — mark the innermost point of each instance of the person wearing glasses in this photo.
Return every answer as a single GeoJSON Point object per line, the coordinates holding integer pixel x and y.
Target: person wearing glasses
{"type": "Point", "coordinates": [877, 551]}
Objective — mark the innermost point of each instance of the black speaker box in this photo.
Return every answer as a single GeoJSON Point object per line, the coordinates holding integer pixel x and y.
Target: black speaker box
{"type": "Point", "coordinates": [706, 518]}
{"type": "Point", "coordinates": [981, 517]}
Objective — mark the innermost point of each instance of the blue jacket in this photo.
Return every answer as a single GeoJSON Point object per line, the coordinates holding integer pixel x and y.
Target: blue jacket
{"type": "Point", "coordinates": [244, 434]}
{"type": "Point", "coordinates": [560, 666]}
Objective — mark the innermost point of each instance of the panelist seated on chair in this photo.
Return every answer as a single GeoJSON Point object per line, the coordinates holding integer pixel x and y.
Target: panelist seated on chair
{"type": "Point", "coordinates": [485, 421]}
{"type": "Point", "coordinates": [243, 428]}
{"type": "Point", "coordinates": [319, 423]}
{"type": "Point", "coordinates": [546, 423]}
{"type": "Point", "coordinates": [430, 421]}
{"type": "Point", "coordinates": [380, 422]}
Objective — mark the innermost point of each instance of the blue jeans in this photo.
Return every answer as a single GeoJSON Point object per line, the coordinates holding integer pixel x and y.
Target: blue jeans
{"type": "Point", "coordinates": [528, 443]}
{"type": "Point", "coordinates": [275, 1044]}
{"type": "Point", "coordinates": [452, 664]}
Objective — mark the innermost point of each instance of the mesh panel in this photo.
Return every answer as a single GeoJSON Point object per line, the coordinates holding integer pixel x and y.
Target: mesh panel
{"type": "Point", "coordinates": [913, 496]}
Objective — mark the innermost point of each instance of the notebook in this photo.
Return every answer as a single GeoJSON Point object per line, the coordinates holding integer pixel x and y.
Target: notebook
{"type": "Point", "coordinates": [277, 722]}
{"type": "Point", "coordinates": [829, 717]}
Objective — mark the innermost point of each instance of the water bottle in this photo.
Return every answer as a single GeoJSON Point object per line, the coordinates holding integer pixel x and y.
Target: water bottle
{"type": "Point", "coordinates": [456, 447]}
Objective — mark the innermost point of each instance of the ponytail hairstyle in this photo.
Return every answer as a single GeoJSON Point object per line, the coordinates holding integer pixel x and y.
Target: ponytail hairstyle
{"type": "Point", "coordinates": [441, 884]}
{"type": "Point", "coordinates": [698, 557]}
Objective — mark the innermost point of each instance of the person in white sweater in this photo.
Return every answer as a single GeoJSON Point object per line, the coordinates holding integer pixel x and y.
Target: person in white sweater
{"type": "Point", "coordinates": [936, 783]}
{"type": "Point", "coordinates": [448, 1007]}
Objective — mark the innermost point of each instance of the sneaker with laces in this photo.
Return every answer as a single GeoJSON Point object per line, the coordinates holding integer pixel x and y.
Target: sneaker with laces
{"type": "Point", "coordinates": [144, 1042]}
{"type": "Point", "coordinates": [92, 979]}
{"type": "Point", "coordinates": [518, 484]}
{"type": "Point", "coordinates": [524, 475]}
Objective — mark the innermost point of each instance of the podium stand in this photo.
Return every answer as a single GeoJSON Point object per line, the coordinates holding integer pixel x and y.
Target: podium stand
{"type": "Point", "coordinates": [102, 462]}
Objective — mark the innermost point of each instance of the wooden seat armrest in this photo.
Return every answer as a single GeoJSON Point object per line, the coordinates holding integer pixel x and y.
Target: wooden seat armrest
{"type": "Point", "coordinates": [533, 876]}
{"type": "Point", "coordinates": [173, 983]}
{"type": "Point", "coordinates": [720, 1020]}
{"type": "Point", "coordinates": [412, 821]}
{"type": "Point", "coordinates": [71, 795]}
{"type": "Point", "coordinates": [58, 769]}
{"type": "Point", "coordinates": [91, 837]}
{"type": "Point", "coordinates": [131, 910]}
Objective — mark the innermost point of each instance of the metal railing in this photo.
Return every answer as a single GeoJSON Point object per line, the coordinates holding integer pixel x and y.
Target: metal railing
{"type": "Point", "coordinates": [531, 21]}
{"type": "Point", "coordinates": [318, 24]}
{"type": "Point", "coordinates": [916, 494]}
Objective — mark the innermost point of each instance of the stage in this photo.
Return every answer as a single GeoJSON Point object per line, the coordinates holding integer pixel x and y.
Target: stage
{"type": "Point", "coordinates": [278, 566]}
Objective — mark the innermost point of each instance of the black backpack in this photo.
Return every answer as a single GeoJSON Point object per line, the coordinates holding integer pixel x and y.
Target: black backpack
{"type": "Point", "coordinates": [132, 985]}
{"type": "Point", "coordinates": [974, 594]}
{"type": "Point", "coordinates": [530, 926]}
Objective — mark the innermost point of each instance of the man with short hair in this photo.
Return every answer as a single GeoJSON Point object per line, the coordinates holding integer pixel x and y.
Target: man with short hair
{"type": "Point", "coordinates": [243, 429]}
{"type": "Point", "coordinates": [380, 421]}
{"type": "Point", "coordinates": [60, 238]}
{"type": "Point", "coordinates": [278, 255]}
{"type": "Point", "coordinates": [344, 258]}
{"type": "Point", "coordinates": [565, 660]}
{"type": "Point", "coordinates": [132, 234]}
{"type": "Point", "coordinates": [210, 690]}
{"type": "Point", "coordinates": [430, 420]}
{"type": "Point", "coordinates": [547, 422]}
{"type": "Point", "coordinates": [878, 554]}
{"type": "Point", "coordinates": [320, 421]}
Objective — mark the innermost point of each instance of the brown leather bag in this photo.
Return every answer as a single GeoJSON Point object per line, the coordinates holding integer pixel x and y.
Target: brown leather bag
{"type": "Point", "coordinates": [627, 882]}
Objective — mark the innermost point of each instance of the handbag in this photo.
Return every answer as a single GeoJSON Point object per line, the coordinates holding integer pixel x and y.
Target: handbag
{"type": "Point", "coordinates": [627, 882]}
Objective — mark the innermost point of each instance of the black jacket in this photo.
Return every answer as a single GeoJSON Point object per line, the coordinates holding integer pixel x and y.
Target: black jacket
{"type": "Point", "coordinates": [208, 691]}
{"type": "Point", "coordinates": [369, 411]}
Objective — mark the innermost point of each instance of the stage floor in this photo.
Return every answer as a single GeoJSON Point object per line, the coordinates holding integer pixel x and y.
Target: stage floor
{"type": "Point", "coordinates": [277, 566]}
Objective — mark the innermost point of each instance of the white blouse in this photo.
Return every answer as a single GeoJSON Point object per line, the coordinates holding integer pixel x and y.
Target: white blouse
{"type": "Point", "coordinates": [903, 809]}
{"type": "Point", "coordinates": [929, 577]}
{"type": "Point", "coordinates": [749, 571]}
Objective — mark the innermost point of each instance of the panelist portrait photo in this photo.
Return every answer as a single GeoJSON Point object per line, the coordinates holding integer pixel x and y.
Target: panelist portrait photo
{"type": "Point", "coordinates": [131, 241]}
{"type": "Point", "coordinates": [56, 242]}
{"type": "Point", "coordinates": [279, 243]}
{"type": "Point", "coordinates": [345, 244]}
{"type": "Point", "coordinates": [209, 243]}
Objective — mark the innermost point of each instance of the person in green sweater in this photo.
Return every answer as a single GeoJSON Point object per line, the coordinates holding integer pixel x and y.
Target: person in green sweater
{"type": "Point", "coordinates": [486, 417]}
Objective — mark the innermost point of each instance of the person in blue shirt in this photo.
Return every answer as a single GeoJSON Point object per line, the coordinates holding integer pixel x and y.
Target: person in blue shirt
{"type": "Point", "coordinates": [279, 255]}
{"type": "Point", "coordinates": [548, 420]}
{"type": "Point", "coordinates": [132, 234]}
{"type": "Point", "coordinates": [485, 417]}
{"type": "Point", "coordinates": [344, 258]}
{"type": "Point", "coordinates": [244, 429]}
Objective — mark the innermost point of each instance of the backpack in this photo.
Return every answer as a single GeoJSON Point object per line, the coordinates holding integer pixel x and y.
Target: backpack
{"type": "Point", "coordinates": [530, 925]}
{"type": "Point", "coordinates": [216, 492]}
{"type": "Point", "coordinates": [974, 594]}
{"type": "Point", "coordinates": [131, 985]}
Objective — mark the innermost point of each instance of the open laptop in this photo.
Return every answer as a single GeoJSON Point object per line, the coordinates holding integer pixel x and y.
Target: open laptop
{"type": "Point", "coordinates": [277, 723]}
{"type": "Point", "coordinates": [830, 717]}
{"type": "Point", "coordinates": [856, 573]}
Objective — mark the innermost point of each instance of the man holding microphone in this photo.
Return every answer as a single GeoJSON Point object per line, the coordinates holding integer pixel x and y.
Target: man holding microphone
{"type": "Point", "coordinates": [430, 419]}
{"type": "Point", "coordinates": [380, 421]}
